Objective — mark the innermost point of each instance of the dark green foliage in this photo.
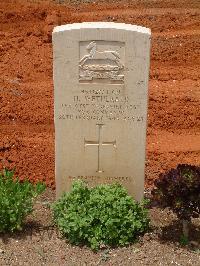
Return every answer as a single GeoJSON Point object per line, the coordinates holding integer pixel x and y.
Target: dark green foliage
{"type": "Point", "coordinates": [179, 189]}
{"type": "Point", "coordinates": [16, 200]}
{"type": "Point", "coordinates": [184, 241]}
{"type": "Point", "coordinates": [100, 216]}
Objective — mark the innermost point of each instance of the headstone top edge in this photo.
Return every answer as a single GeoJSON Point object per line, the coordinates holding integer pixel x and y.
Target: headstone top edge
{"type": "Point", "coordinates": [102, 25]}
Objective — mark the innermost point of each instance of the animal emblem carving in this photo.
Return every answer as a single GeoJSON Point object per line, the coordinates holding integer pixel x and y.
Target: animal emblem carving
{"type": "Point", "coordinates": [98, 55]}
{"type": "Point", "coordinates": [100, 64]}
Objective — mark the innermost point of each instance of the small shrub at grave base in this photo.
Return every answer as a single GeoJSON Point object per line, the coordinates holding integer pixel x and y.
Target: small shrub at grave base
{"type": "Point", "coordinates": [100, 216]}
{"type": "Point", "coordinates": [16, 200]}
{"type": "Point", "coordinates": [179, 189]}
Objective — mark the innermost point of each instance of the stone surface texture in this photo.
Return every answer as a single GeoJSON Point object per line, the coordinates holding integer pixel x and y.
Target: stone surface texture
{"type": "Point", "coordinates": [101, 72]}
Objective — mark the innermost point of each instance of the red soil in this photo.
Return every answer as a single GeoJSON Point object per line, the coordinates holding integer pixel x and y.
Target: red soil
{"type": "Point", "coordinates": [26, 86]}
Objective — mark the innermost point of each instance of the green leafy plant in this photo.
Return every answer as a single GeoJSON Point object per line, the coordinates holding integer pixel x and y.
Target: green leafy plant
{"type": "Point", "coordinates": [16, 200]}
{"type": "Point", "coordinates": [184, 241]}
{"type": "Point", "coordinates": [179, 189]}
{"type": "Point", "coordinates": [101, 216]}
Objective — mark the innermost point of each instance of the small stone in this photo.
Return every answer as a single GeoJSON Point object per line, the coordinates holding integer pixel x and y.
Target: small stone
{"type": "Point", "coordinates": [194, 244]}
{"type": "Point", "coordinates": [1, 251]}
{"type": "Point", "coordinates": [136, 250]}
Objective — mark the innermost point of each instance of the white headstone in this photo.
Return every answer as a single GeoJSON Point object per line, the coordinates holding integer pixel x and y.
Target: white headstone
{"type": "Point", "coordinates": [101, 74]}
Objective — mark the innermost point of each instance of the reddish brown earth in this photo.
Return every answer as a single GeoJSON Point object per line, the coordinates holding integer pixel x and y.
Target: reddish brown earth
{"type": "Point", "coordinates": [27, 130]}
{"type": "Point", "coordinates": [26, 86]}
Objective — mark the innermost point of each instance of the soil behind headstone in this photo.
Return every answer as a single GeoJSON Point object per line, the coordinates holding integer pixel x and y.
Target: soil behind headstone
{"type": "Point", "coordinates": [26, 83]}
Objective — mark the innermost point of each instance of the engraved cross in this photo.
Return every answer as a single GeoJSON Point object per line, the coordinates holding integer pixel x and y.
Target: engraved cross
{"type": "Point", "coordinates": [99, 143]}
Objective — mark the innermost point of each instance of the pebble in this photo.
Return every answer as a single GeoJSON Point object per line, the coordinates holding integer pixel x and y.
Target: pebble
{"type": "Point", "coordinates": [1, 251]}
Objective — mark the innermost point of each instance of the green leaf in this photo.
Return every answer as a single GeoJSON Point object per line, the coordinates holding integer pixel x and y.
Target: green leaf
{"type": "Point", "coordinates": [103, 214]}
{"type": "Point", "coordinates": [16, 200]}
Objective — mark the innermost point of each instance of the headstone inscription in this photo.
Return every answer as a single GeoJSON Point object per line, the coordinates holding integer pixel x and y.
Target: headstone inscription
{"type": "Point", "coordinates": [101, 87]}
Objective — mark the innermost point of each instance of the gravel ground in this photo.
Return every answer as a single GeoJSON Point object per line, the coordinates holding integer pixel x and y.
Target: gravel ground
{"type": "Point", "coordinates": [27, 129]}
{"type": "Point", "coordinates": [41, 244]}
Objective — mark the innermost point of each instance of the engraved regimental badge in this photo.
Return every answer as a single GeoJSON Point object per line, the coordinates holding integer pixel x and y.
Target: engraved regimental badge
{"type": "Point", "coordinates": [101, 62]}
